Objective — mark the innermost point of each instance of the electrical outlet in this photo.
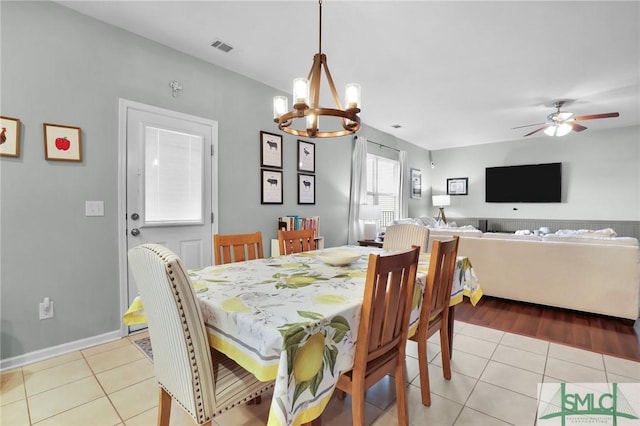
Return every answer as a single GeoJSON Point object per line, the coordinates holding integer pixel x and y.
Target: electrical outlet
{"type": "Point", "coordinates": [46, 309]}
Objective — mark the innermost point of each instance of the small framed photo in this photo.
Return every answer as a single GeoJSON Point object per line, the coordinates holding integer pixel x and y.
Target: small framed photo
{"type": "Point", "coordinates": [416, 183]}
{"type": "Point", "coordinates": [62, 143]}
{"type": "Point", "coordinates": [271, 187]}
{"type": "Point", "coordinates": [270, 150]}
{"type": "Point", "coordinates": [457, 186]}
{"type": "Point", "coordinates": [9, 137]}
{"type": "Point", "coordinates": [306, 156]}
{"type": "Point", "coordinates": [306, 189]}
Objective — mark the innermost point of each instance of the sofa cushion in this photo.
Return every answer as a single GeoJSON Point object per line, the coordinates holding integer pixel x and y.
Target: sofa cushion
{"type": "Point", "coordinates": [617, 241]}
{"type": "Point", "coordinates": [508, 236]}
{"type": "Point", "coordinates": [606, 232]}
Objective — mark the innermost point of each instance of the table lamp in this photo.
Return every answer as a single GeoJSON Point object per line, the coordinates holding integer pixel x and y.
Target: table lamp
{"type": "Point", "coordinates": [370, 215]}
{"type": "Point", "coordinates": [441, 201]}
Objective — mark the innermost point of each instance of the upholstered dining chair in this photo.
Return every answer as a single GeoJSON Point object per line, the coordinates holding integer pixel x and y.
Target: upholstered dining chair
{"type": "Point", "coordinates": [383, 330]}
{"type": "Point", "coordinates": [296, 241]}
{"type": "Point", "coordinates": [404, 235]}
{"type": "Point", "coordinates": [237, 247]}
{"type": "Point", "coordinates": [434, 314]}
{"type": "Point", "coordinates": [204, 382]}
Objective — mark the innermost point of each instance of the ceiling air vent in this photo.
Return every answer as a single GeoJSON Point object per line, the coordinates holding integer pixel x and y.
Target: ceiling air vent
{"type": "Point", "coordinates": [396, 126]}
{"type": "Point", "coordinates": [221, 45]}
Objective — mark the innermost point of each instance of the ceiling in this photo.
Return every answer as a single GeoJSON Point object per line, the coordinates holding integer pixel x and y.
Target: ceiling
{"type": "Point", "coordinates": [449, 73]}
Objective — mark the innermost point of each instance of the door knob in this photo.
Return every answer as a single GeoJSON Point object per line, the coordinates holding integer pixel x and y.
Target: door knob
{"type": "Point", "coordinates": [135, 232]}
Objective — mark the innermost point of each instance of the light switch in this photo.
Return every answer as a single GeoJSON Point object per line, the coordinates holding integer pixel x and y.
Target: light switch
{"type": "Point", "coordinates": [94, 208]}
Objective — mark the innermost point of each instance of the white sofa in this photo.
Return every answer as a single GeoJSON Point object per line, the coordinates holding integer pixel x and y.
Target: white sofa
{"type": "Point", "coordinates": [587, 273]}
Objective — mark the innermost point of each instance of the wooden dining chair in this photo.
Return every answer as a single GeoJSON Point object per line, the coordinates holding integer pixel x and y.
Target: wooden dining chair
{"type": "Point", "coordinates": [237, 247]}
{"type": "Point", "coordinates": [203, 381]}
{"type": "Point", "coordinates": [383, 330]}
{"type": "Point", "coordinates": [434, 313]}
{"type": "Point", "coordinates": [296, 241]}
{"type": "Point", "coordinates": [401, 236]}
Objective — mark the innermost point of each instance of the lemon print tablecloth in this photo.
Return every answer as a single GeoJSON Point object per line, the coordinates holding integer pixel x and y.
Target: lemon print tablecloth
{"type": "Point", "coordinates": [295, 319]}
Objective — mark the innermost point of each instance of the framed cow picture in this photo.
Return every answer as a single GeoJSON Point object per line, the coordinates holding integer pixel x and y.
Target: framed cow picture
{"type": "Point", "coordinates": [306, 189]}
{"type": "Point", "coordinates": [270, 150]}
{"type": "Point", "coordinates": [271, 187]}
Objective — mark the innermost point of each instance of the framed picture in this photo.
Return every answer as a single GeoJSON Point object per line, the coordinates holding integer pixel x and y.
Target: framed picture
{"type": "Point", "coordinates": [9, 137]}
{"type": "Point", "coordinates": [306, 189]}
{"type": "Point", "coordinates": [62, 143]}
{"type": "Point", "coordinates": [271, 188]}
{"type": "Point", "coordinates": [416, 183]}
{"type": "Point", "coordinates": [457, 186]}
{"type": "Point", "coordinates": [270, 150]}
{"type": "Point", "coordinates": [306, 156]}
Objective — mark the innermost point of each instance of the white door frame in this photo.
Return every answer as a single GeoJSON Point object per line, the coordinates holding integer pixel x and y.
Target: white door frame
{"type": "Point", "coordinates": [123, 106]}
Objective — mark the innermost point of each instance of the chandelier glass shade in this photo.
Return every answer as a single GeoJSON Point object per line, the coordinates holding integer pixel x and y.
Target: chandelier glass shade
{"type": "Point", "coordinates": [306, 98]}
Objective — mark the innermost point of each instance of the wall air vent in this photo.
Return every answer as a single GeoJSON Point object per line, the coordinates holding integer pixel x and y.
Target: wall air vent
{"type": "Point", "coordinates": [221, 45]}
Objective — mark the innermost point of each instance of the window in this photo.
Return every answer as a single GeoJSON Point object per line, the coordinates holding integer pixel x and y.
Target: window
{"type": "Point", "coordinates": [383, 183]}
{"type": "Point", "coordinates": [173, 177]}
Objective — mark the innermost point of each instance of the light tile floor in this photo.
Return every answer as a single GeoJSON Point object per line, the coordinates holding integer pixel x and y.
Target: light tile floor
{"type": "Point", "coordinates": [495, 379]}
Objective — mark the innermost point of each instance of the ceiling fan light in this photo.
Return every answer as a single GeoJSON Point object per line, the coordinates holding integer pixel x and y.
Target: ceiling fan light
{"type": "Point", "coordinates": [563, 129]}
{"type": "Point", "coordinates": [551, 130]}
{"type": "Point", "coordinates": [562, 116]}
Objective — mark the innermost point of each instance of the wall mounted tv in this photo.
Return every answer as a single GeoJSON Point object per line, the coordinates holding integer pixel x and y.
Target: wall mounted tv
{"type": "Point", "coordinates": [528, 183]}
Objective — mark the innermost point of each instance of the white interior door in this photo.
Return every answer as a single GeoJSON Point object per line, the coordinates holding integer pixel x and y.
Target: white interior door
{"type": "Point", "coordinates": [171, 184]}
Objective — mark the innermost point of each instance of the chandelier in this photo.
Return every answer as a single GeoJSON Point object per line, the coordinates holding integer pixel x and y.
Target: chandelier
{"type": "Point", "coordinates": [306, 97]}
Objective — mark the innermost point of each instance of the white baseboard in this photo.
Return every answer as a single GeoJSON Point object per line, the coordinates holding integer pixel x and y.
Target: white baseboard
{"type": "Point", "coordinates": [42, 354]}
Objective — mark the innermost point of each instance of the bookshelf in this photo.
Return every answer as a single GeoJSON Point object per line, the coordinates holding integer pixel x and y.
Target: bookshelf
{"type": "Point", "coordinates": [295, 222]}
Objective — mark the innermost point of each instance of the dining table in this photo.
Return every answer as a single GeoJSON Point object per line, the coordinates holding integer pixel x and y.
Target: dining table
{"type": "Point", "coordinates": [294, 319]}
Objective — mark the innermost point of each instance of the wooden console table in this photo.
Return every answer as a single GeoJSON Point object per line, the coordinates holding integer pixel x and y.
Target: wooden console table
{"type": "Point", "coordinates": [370, 243]}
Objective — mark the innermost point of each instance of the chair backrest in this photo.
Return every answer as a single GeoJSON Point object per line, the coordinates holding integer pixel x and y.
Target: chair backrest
{"type": "Point", "coordinates": [437, 292]}
{"type": "Point", "coordinates": [237, 247]}
{"type": "Point", "coordinates": [181, 354]}
{"type": "Point", "coordinates": [386, 306]}
{"type": "Point", "coordinates": [404, 235]}
{"type": "Point", "coordinates": [296, 241]}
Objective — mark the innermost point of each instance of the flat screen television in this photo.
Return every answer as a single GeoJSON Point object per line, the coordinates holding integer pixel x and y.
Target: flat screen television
{"type": "Point", "coordinates": [528, 183]}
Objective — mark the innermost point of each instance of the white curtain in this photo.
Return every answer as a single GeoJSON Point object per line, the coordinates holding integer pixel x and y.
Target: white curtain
{"type": "Point", "coordinates": [358, 187]}
{"type": "Point", "coordinates": [403, 199]}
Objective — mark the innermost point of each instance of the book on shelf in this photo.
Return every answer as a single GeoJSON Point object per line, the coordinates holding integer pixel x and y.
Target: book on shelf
{"type": "Point", "coordinates": [295, 222]}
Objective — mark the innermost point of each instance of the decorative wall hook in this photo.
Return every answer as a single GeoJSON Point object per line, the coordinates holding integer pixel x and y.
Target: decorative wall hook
{"type": "Point", "coordinates": [176, 88]}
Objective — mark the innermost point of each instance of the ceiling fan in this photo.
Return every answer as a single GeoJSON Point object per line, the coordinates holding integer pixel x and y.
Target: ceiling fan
{"type": "Point", "coordinates": [559, 123]}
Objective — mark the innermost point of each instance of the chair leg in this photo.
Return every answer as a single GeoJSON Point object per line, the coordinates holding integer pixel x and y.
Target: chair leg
{"type": "Point", "coordinates": [164, 408]}
{"type": "Point", "coordinates": [357, 408]}
{"type": "Point", "coordinates": [340, 394]}
{"type": "Point", "coordinates": [446, 351]}
{"type": "Point", "coordinates": [423, 363]}
{"type": "Point", "coordinates": [401, 394]}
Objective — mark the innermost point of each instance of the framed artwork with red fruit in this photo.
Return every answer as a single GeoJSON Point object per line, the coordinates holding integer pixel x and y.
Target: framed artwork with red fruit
{"type": "Point", "coordinates": [62, 143]}
{"type": "Point", "coordinates": [9, 137]}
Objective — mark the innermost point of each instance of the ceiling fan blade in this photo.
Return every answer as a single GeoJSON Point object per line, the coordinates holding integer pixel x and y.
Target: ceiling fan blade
{"type": "Point", "coordinates": [577, 127]}
{"type": "Point", "coordinates": [527, 125]}
{"type": "Point", "coordinates": [536, 131]}
{"type": "Point", "coordinates": [594, 116]}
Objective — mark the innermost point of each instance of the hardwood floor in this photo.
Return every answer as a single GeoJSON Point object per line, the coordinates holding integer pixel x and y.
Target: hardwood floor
{"type": "Point", "coordinates": [606, 335]}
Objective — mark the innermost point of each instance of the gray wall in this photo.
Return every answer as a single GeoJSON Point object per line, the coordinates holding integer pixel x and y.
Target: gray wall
{"type": "Point", "coordinates": [600, 175]}
{"type": "Point", "coordinates": [62, 67]}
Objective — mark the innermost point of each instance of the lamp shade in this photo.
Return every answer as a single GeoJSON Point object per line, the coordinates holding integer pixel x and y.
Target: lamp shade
{"type": "Point", "coordinates": [441, 200]}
